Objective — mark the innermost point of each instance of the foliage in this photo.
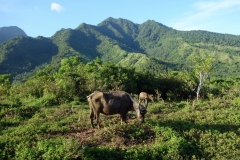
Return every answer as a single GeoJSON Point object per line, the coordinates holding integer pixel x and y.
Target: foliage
{"type": "Point", "coordinates": [47, 116]}
{"type": "Point", "coordinates": [202, 69]}
{"type": "Point", "coordinates": [47, 87]}
{"type": "Point", "coordinates": [74, 80]}
{"type": "Point", "coordinates": [173, 129]}
{"type": "Point", "coordinates": [148, 46]}
{"type": "Point", "coordinates": [5, 84]}
{"type": "Point", "coordinates": [23, 54]}
{"type": "Point", "coordinates": [109, 76]}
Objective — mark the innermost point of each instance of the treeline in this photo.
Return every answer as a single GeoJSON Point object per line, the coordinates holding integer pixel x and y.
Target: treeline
{"type": "Point", "coordinates": [192, 37]}
{"type": "Point", "coordinates": [74, 80]}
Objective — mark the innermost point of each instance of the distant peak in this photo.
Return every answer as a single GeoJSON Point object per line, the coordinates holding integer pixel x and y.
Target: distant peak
{"type": "Point", "coordinates": [9, 32]}
{"type": "Point", "coordinates": [114, 20]}
{"type": "Point", "coordinates": [110, 19]}
{"type": "Point", "coordinates": [153, 22]}
{"type": "Point", "coordinates": [13, 29]}
{"type": "Point", "coordinates": [84, 25]}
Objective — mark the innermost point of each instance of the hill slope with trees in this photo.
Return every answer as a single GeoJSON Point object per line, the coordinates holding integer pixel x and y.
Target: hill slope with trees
{"type": "Point", "coordinates": [148, 46]}
{"type": "Point", "coordinates": [194, 116]}
{"type": "Point", "coordinates": [49, 111]}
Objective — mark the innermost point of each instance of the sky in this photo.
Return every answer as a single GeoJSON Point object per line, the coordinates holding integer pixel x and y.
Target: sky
{"type": "Point", "coordinates": [46, 17]}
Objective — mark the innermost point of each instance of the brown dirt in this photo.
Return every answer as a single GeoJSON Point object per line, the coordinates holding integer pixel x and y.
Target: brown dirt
{"type": "Point", "coordinates": [111, 137]}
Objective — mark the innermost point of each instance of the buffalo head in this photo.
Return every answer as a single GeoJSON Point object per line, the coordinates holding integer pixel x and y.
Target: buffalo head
{"type": "Point", "coordinates": [141, 113]}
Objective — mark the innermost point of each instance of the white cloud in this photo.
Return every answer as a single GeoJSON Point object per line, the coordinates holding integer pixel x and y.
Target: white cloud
{"type": "Point", "coordinates": [213, 6]}
{"type": "Point", "coordinates": [57, 7]}
{"type": "Point", "coordinates": [207, 14]}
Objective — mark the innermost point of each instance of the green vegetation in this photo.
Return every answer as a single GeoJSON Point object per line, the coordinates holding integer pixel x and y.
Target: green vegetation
{"type": "Point", "coordinates": [202, 69]}
{"type": "Point", "coordinates": [173, 130]}
{"type": "Point", "coordinates": [44, 113]}
{"type": "Point", "coordinates": [22, 54]}
{"type": "Point", "coordinates": [7, 33]}
{"type": "Point", "coordinates": [148, 46]}
{"type": "Point", "coordinates": [47, 116]}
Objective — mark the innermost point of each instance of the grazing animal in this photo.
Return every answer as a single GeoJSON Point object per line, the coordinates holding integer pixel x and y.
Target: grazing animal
{"type": "Point", "coordinates": [144, 96]}
{"type": "Point", "coordinates": [116, 102]}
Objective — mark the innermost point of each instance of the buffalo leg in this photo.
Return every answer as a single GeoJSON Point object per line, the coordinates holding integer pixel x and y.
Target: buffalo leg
{"type": "Point", "coordinates": [97, 117]}
{"type": "Point", "coordinates": [91, 117]}
{"type": "Point", "coordinates": [123, 118]}
{"type": "Point", "coordinates": [146, 103]}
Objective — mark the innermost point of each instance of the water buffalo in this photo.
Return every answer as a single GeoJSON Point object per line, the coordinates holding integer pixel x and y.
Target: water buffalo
{"type": "Point", "coordinates": [143, 96]}
{"type": "Point", "coordinates": [116, 102]}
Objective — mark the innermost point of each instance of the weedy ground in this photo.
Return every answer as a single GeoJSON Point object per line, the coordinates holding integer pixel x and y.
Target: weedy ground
{"type": "Point", "coordinates": [207, 129]}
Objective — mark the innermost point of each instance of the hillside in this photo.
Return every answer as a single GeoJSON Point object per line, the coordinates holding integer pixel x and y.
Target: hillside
{"type": "Point", "coordinates": [7, 33]}
{"type": "Point", "coordinates": [22, 54]}
{"type": "Point", "coordinates": [148, 46]}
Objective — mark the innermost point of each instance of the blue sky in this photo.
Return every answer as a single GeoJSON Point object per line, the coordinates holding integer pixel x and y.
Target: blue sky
{"type": "Point", "coordinates": [45, 17]}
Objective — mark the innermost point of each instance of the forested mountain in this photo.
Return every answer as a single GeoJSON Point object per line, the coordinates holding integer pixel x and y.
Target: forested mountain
{"type": "Point", "coordinates": [7, 33]}
{"type": "Point", "coordinates": [148, 46]}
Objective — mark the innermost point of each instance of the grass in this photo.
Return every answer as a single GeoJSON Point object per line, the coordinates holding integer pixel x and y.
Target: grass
{"type": "Point", "coordinates": [172, 130]}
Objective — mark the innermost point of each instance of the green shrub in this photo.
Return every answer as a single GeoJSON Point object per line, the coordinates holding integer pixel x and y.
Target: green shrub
{"type": "Point", "coordinates": [236, 102]}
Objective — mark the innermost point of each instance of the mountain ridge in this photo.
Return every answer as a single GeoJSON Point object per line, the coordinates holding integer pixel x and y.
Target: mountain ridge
{"type": "Point", "coordinates": [119, 40]}
{"type": "Point", "coordinates": [7, 33]}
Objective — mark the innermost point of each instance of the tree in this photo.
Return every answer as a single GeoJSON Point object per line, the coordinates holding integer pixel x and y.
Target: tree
{"type": "Point", "coordinates": [109, 76]}
{"type": "Point", "coordinates": [202, 69]}
{"type": "Point", "coordinates": [5, 84]}
{"type": "Point", "coordinates": [70, 80]}
{"type": "Point", "coordinates": [93, 72]}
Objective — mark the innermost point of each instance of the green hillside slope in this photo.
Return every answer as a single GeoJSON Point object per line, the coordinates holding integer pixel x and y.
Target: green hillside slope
{"type": "Point", "coordinates": [148, 46]}
{"type": "Point", "coordinates": [23, 54]}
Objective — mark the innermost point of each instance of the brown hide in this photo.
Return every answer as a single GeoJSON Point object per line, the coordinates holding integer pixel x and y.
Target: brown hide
{"type": "Point", "coordinates": [144, 96]}
{"type": "Point", "coordinates": [109, 103]}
